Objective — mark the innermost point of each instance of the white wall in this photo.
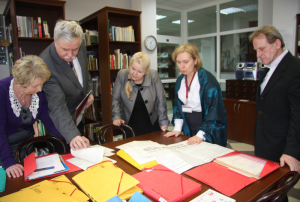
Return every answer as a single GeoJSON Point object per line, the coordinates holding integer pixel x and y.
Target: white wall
{"type": "Point", "coordinates": [148, 25]}
{"type": "Point", "coordinates": [78, 9]}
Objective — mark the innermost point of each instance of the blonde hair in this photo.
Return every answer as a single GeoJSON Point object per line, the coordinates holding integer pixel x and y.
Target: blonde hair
{"type": "Point", "coordinates": [271, 33]}
{"type": "Point", "coordinates": [190, 48]}
{"type": "Point", "coordinates": [144, 61]}
{"type": "Point", "coordinates": [28, 68]}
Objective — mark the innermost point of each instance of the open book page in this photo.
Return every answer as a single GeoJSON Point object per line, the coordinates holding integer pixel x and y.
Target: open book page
{"type": "Point", "coordinates": [107, 151]}
{"type": "Point", "coordinates": [80, 108]}
{"type": "Point", "coordinates": [243, 163]}
{"type": "Point", "coordinates": [204, 151]}
{"type": "Point", "coordinates": [85, 158]}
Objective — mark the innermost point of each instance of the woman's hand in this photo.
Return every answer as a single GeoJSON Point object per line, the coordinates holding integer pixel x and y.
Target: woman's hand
{"type": "Point", "coordinates": [15, 171]}
{"type": "Point", "coordinates": [118, 122]}
{"type": "Point", "coordinates": [173, 133]}
{"type": "Point", "coordinates": [164, 128]}
{"type": "Point", "coordinates": [194, 140]}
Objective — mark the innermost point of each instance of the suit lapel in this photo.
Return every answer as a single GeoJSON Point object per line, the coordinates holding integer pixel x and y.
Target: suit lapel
{"type": "Point", "coordinates": [82, 58]}
{"type": "Point", "coordinates": [277, 73]}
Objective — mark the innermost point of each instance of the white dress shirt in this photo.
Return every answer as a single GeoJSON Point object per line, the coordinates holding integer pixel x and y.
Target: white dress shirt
{"type": "Point", "coordinates": [272, 68]}
{"type": "Point", "coordinates": [193, 101]}
{"type": "Point", "coordinates": [78, 70]}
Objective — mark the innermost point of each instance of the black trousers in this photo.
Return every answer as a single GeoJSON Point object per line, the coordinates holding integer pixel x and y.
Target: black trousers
{"type": "Point", "coordinates": [195, 121]}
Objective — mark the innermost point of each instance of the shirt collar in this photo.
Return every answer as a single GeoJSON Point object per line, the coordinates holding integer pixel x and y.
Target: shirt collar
{"type": "Point", "coordinates": [275, 63]}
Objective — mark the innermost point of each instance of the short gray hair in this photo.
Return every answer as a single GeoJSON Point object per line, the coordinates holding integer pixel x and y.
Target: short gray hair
{"type": "Point", "coordinates": [67, 30]}
{"type": "Point", "coordinates": [271, 33]}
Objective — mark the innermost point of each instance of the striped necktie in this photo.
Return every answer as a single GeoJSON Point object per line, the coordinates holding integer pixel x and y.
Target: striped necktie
{"type": "Point", "coordinates": [73, 68]}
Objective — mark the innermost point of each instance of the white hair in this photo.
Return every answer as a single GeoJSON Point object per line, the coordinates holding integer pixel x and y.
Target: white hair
{"type": "Point", "coordinates": [68, 31]}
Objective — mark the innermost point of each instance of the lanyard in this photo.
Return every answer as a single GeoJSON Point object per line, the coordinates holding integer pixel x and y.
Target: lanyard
{"type": "Point", "coordinates": [188, 87]}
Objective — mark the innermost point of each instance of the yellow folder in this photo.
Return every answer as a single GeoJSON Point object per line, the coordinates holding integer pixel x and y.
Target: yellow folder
{"type": "Point", "coordinates": [104, 181]}
{"type": "Point", "coordinates": [130, 160]}
{"type": "Point", "coordinates": [128, 194]}
{"type": "Point", "coordinates": [44, 191]}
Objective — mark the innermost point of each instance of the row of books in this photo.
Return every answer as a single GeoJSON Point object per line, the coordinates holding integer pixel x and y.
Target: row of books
{"type": "Point", "coordinates": [93, 60]}
{"type": "Point", "coordinates": [119, 60]}
{"type": "Point", "coordinates": [122, 33]}
{"type": "Point", "coordinates": [92, 130]}
{"type": "Point", "coordinates": [90, 37]}
{"type": "Point", "coordinates": [90, 112]}
{"type": "Point", "coordinates": [32, 27]}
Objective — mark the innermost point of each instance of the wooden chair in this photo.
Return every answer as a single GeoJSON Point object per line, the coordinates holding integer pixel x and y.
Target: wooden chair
{"type": "Point", "coordinates": [280, 192]}
{"type": "Point", "coordinates": [104, 129]}
{"type": "Point", "coordinates": [34, 140]}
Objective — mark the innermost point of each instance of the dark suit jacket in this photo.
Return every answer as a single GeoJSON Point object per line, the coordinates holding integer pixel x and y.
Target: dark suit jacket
{"type": "Point", "coordinates": [63, 90]}
{"type": "Point", "coordinates": [278, 112]}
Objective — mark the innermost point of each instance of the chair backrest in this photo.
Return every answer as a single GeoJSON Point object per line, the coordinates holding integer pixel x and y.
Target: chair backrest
{"type": "Point", "coordinates": [285, 184]}
{"type": "Point", "coordinates": [31, 141]}
{"type": "Point", "coordinates": [104, 129]}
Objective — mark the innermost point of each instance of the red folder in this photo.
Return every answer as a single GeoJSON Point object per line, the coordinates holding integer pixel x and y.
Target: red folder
{"type": "Point", "coordinates": [162, 184]}
{"type": "Point", "coordinates": [30, 166]}
{"type": "Point", "coordinates": [225, 180]}
{"type": "Point", "coordinates": [72, 167]}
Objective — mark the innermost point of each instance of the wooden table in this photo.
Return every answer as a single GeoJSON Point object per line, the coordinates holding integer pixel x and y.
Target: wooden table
{"type": "Point", "coordinates": [249, 193]}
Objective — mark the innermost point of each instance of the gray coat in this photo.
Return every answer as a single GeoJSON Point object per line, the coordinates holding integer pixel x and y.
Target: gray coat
{"type": "Point", "coordinates": [153, 94]}
{"type": "Point", "coordinates": [63, 90]}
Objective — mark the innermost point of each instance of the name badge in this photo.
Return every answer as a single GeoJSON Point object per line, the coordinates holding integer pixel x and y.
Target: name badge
{"type": "Point", "coordinates": [186, 109]}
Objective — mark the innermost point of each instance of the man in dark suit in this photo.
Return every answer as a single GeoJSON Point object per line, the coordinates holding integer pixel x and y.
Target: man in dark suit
{"type": "Point", "coordinates": [277, 132]}
{"type": "Point", "coordinates": [70, 81]}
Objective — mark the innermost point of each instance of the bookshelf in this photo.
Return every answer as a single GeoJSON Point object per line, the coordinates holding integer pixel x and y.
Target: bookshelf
{"type": "Point", "coordinates": [297, 42]}
{"type": "Point", "coordinates": [48, 10]}
{"type": "Point", "coordinates": [105, 47]}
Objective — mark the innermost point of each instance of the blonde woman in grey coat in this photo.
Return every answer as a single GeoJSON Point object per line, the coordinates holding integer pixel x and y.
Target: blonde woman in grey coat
{"type": "Point", "coordinates": [138, 98]}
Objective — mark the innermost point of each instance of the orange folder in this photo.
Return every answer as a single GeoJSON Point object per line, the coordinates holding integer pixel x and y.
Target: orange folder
{"type": "Point", "coordinates": [225, 180]}
{"type": "Point", "coordinates": [163, 184]}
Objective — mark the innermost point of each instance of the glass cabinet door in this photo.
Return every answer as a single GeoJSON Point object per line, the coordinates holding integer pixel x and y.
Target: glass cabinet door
{"type": "Point", "coordinates": [166, 67]}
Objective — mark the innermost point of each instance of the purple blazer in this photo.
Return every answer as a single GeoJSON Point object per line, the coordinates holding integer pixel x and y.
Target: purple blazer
{"type": "Point", "coordinates": [10, 123]}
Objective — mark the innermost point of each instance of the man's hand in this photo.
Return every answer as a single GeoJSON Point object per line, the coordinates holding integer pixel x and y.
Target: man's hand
{"type": "Point", "coordinates": [90, 101]}
{"type": "Point", "coordinates": [79, 142]}
{"type": "Point", "coordinates": [15, 171]}
{"type": "Point", "coordinates": [194, 140]}
{"type": "Point", "coordinates": [293, 163]}
{"type": "Point", "coordinates": [118, 122]}
{"type": "Point", "coordinates": [173, 133]}
{"type": "Point", "coordinates": [164, 128]}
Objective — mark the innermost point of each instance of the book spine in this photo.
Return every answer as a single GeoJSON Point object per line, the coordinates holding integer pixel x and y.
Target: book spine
{"type": "Point", "coordinates": [40, 27]}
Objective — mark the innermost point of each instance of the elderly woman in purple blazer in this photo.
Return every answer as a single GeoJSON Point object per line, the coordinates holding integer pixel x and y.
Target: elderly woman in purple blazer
{"type": "Point", "coordinates": [22, 102]}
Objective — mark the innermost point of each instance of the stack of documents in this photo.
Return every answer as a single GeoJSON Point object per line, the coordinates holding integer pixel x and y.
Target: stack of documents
{"type": "Point", "coordinates": [219, 174]}
{"type": "Point", "coordinates": [163, 184]}
{"type": "Point", "coordinates": [104, 181]}
{"type": "Point", "coordinates": [43, 166]}
{"type": "Point", "coordinates": [178, 157]}
{"type": "Point", "coordinates": [57, 189]}
{"type": "Point", "coordinates": [85, 158]}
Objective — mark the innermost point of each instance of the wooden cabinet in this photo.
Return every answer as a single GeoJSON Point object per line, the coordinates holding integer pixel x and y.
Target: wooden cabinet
{"type": "Point", "coordinates": [241, 117]}
{"type": "Point", "coordinates": [241, 89]}
{"type": "Point", "coordinates": [48, 10]}
{"type": "Point", "coordinates": [99, 21]}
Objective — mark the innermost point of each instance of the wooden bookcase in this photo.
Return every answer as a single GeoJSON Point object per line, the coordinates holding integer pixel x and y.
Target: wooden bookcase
{"type": "Point", "coordinates": [48, 10]}
{"type": "Point", "coordinates": [297, 45]}
{"type": "Point", "coordinates": [99, 21]}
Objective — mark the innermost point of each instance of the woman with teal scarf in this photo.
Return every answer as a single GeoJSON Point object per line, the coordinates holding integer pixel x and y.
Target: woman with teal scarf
{"type": "Point", "coordinates": [199, 111]}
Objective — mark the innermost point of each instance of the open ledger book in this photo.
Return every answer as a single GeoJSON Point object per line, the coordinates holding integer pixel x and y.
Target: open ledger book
{"type": "Point", "coordinates": [80, 108]}
{"type": "Point", "coordinates": [242, 163]}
